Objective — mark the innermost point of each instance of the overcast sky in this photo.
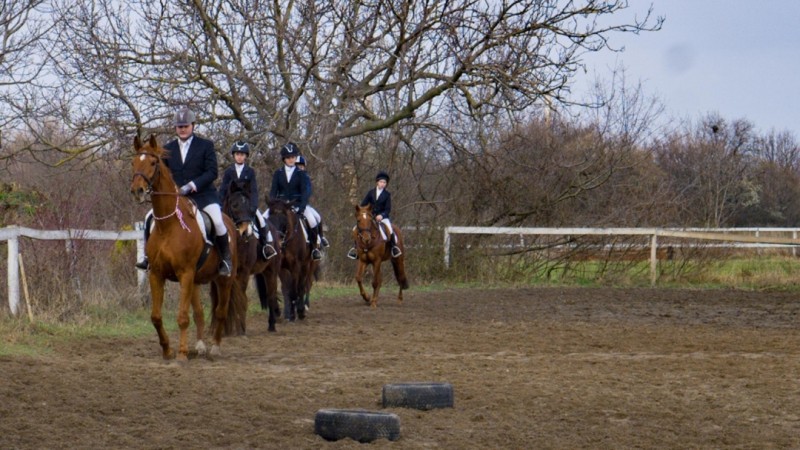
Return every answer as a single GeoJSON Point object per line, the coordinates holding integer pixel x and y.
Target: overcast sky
{"type": "Point", "coordinates": [734, 57]}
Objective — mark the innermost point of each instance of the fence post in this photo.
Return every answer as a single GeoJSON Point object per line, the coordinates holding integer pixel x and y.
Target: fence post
{"type": "Point", "coordinates": [13, 274]}
{"type": "Point", "coordinates": [653, 259]}
{"type": "Point", "coordinates": [447, 247]}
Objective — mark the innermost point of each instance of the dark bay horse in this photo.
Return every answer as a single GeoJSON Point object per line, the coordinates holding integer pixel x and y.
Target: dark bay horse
{"type": "Point", "coordinates": [372, 250]}
{"type": "Point", "coordinates": [174, 249]}
{"type": "Point", "coordinates": [296, 259]}
{"type": "Point", "coordinates": [236, 204]}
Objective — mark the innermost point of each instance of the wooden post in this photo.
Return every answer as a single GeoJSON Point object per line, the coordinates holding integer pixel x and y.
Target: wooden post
{"type": "Point", "coordinates": [13, 275]}
{"type": "Point", "coordinates": [25, 288]}
{"type": "Point", "coordinates": [446, 248]}
{"type": "Point", "coordinates": [653, 259]}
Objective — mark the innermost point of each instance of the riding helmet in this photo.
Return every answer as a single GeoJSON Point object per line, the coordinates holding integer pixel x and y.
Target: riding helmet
{"type": "Point", "coordinates": [382, 176]}
{"type": "Point", "coordinates": [241, 147]}
{"type": "Point", "coordinates": [184, 116]}
{"type": "Point", "coordinates": [289, 149]}
{"type": "Point", "coordinates": [301, 160]}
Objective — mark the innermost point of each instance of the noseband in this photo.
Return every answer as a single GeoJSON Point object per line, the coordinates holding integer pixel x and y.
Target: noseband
{"type": "Point", "coordinates": [149, 180]}
{"type": "Point", "coordinates": [369, 232]}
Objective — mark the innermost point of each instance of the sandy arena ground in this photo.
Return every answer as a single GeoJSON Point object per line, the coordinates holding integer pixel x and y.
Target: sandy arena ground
{"type": "Point", "coordinates": [531, 368]}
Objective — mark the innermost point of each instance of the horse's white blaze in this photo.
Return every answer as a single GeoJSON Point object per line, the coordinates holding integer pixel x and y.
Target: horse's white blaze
{"type": "Point", "coordinates": [141, 157]}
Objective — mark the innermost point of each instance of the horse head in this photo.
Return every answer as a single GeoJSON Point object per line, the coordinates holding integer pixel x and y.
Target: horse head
{"type": "Point", "coordinates": [282, 217]}
{"type": "Point", "coordinates": [149, 171]}
{"type": "Point", "coordinates": [366, 227]}
{"type": "Point", "coordinates": [237, 205]}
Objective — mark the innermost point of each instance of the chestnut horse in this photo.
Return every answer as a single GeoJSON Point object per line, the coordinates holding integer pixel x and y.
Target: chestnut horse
{"type": "Point", "coordinates": [236, 204]}
{"type": "Point", "coordinates": [373, 249]}
{"type": "Point", "coordinates": [295, 258]}
{"type": "Point", "coordinates": [174, 250]}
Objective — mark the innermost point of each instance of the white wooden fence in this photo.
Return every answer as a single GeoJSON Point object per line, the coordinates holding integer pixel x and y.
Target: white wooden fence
{"type": "Point", "coordinates": [13, 233]}
{"type": "Point", "coordinates": [750, 235]}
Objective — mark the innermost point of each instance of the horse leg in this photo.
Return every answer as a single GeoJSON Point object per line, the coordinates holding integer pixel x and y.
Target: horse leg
{"type": "Point", "coordinates": [187, 292]}
{"type": "Point", "coordinates": [263, 298]}
{"type": "Point", "coordinates": [376, 284]}
{"type": "Point", "coordinates": [361, 268]}
{"type": "Point", "coordinates": [157, 296]}
{"type": "Point", "coordinates": [398, 264]}
{"type": "Point", "coordinates": [199, 321]}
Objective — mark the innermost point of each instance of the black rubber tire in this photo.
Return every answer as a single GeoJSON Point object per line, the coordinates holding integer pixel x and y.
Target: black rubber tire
{"type": "Point", "coordinates": [422, 396]}
{"type": "Point", "coordinates": [357, 424]}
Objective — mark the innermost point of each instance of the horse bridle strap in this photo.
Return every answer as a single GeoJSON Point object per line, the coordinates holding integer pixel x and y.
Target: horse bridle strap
{"type": "Point", "coordinates": [151, 180]}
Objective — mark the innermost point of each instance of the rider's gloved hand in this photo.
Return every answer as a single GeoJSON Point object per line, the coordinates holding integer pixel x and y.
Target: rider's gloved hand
{"type": "Point", "coordinates": [186, 189]}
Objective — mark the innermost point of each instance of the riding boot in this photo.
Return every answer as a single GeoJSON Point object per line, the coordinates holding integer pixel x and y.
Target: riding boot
{"type": "Point", "coordinates": [395, 248]}
{"type": "Point", "coordinates": [224, 250]}
{"type": "Point", "coordinates": [322, 240]}
{"type": "Point", "coordinates": [144, 264]}
{"type": "Point", "coordinates": [316, 255]}
{"type": "Point", "coordinates": [266, 251]}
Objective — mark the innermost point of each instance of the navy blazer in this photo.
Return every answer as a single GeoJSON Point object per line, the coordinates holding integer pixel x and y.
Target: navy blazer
{"type": "Point", "coordinates": [294, 190]}
{"type": "Point", "coordinates": [230, 176]}
{"type": "Point", "coordinates": [381, 205]}
{"type": "Point", "coordinates": [200, 167]}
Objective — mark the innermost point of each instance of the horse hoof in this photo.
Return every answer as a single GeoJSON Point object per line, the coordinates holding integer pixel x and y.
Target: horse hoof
{"type": "Point", "coordinates": [201, 348]}
{"type": "Point", "coordinates": [168, 354]}
{"type": "Point", "coordinates": [182, 358]}
{"type": "Point", "coordinates": [215, 351]}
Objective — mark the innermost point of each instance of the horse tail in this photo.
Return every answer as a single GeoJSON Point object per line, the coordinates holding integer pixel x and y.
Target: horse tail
{"type": "Point", "coordinates": [261, 287]}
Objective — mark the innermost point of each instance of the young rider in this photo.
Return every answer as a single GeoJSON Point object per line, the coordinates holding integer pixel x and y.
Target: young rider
{"type": "Point", "coordinates": [290, 184]}
{"type": "Point", "coordinates": [241, 171]}
{"type": "Point", "coordinates": [381, 201]}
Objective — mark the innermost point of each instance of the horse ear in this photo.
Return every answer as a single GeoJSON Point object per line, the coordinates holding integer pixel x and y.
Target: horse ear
{"type": "Point", "coordinates": [137, 143]}
{"type": "Point", "coordinates": [153, 141]}
{"type": "Point", "coordinates": [357, 208]}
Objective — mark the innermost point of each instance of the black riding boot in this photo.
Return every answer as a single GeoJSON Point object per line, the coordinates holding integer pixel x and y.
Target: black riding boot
{"type": "Point", "coordinates": [395, 248]}
{"type": "Point", "coordinates": [144, 264]}
{"type": "Point", "coordinates": [224, 249]}
{"type": "Point", "coordinates": [265, 250]}
{"type": "Point", "coordinates": [316, 255]}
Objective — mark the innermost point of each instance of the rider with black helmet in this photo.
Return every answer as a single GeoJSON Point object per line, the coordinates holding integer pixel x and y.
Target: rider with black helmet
{"type": "Point", "coordinates": [381, 201]}
{"type": "Point", "coordinates": [240, 171]}
{"type": "Point", "coordinates": [290, 184]}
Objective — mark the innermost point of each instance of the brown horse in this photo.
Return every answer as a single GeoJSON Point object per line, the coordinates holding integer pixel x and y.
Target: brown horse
{"type": "Point", "coordinates": [174, 250]}
{"type": "Point", "coordinates": [236, 204]}
{"type": "Point", "coordinates": [295, 258]}
{"type": "Point", "coordinates": [373, 249]}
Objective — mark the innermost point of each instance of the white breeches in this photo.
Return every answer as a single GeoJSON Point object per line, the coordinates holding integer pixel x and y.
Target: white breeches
{"type": "Point", "coordinates": [311, 215]}
{"type": "Point", "coordinates": [215, 212]}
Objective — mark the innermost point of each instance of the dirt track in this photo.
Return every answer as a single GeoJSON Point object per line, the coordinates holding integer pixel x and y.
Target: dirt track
{"type": "Point", "coordinates": [531, 368]}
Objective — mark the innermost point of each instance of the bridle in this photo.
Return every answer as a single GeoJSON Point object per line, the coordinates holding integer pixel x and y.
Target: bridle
{"type": "Point", "coordinates": [151, 180]}
{"type": "Point", "coordinates": [369, 232]}
{"type": "Point", "coordinates": [150, 192]}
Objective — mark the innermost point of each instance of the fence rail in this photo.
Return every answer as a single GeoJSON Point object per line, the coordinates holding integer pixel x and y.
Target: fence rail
{"type": "Point", "coordinates": [13, 233]}
{"type": "Point", "coordinates": [750, 235]}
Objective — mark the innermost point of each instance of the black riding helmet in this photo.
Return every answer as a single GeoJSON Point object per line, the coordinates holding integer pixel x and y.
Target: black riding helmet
{"type": "Point", "coordinates": [289, 149]}
{"type": "Point", "coordinates": [241, 147]}
{"type": "Point", "coordinates": [382, 176]}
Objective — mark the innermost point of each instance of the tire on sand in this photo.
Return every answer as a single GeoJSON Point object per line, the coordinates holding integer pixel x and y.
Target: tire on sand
{"type": "Point", "coordinates": [357, 424]}
{"type": "Point", "coordinates": [422, 396]}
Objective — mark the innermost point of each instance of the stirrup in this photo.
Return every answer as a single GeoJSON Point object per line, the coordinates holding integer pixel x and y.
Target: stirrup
{"type": "Point", "coordinates": [396, 251]}
{"type": "Point", "coordinates": [268, 251]}
{"type": "Point", "coordinates": [324, 242]}
{"type": "Point", "coordinates": [143, 264]}
{"type": "Point", "coordinates": [352, 254]}
{"type": "Point", "coordinates": [224, 269]}
{"type": "Point", "coordinates": [316, 255]}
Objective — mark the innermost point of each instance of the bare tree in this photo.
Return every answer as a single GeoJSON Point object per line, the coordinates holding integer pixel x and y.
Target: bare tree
{"type": "Point", "coordinates": [319, 72]}
{"type": "Point", "coordinates": [22, 26]}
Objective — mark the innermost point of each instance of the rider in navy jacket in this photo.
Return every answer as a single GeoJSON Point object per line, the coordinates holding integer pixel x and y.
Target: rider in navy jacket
{"type": "Point", "coordinates": [381, 201]}
{"type": "Point", "coordinates": [291, 184]}
{"type": "Point", "coordinates": [193, 163]}
{"type": "Point", "coordinates": [240, 171]}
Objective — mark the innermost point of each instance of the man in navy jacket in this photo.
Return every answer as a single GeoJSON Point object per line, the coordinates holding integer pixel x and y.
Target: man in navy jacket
{"type": "Point", "coordinates": [193, 163]}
